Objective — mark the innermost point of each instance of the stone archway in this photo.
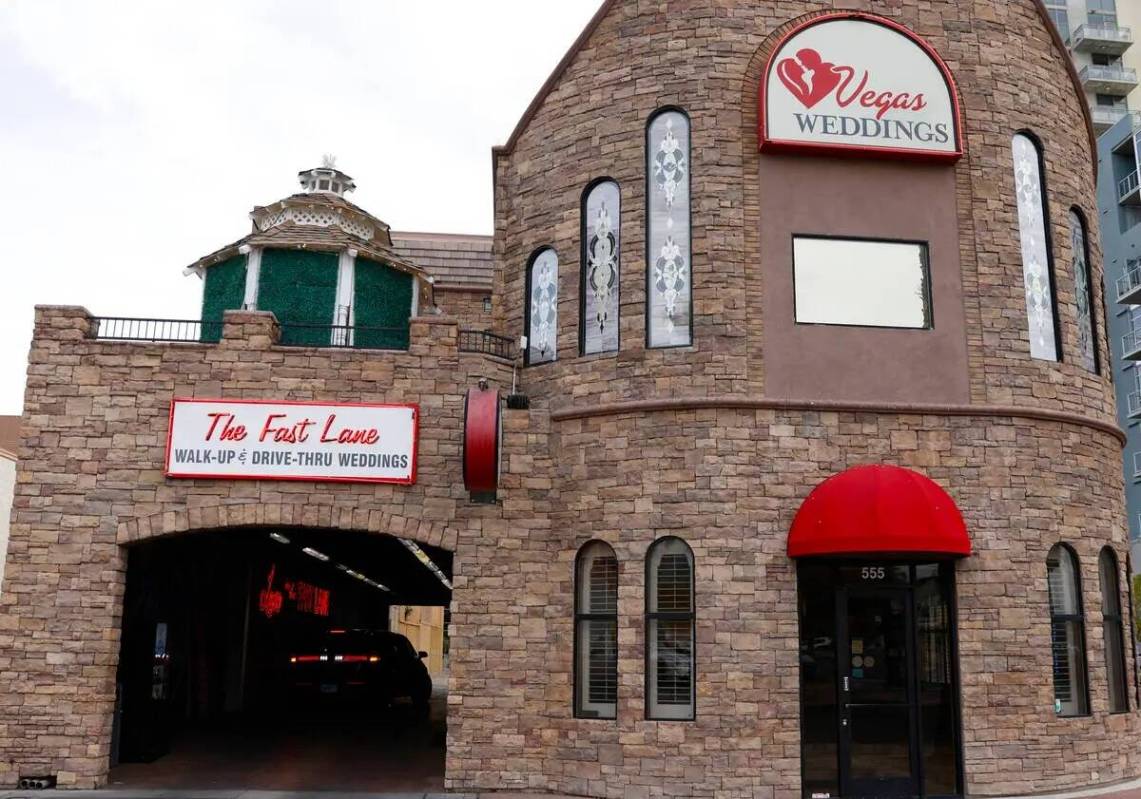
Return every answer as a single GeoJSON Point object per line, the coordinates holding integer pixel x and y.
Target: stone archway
{"type": "Point", "coordinates": [290, 514]}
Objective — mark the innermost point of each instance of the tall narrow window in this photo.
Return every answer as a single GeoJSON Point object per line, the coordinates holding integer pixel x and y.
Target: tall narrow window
{"type": "Point", "coordinates": [1083, 292]}
{"type": "Point", "coordinates": [542, 307]}
{"type": "Point", "coordinates": [669, 631]}
{"type": "Point", "coordinates": [596, 632]}
{"type": "Point", "coordinates": [1113, 631]}
{"type": "Point", "coordinates": [669, 276]}
{"type": "Point", "coordinates": [1130, 584]}
{"type": "Point", "coordinates": [1037, 257]}
{"type": "Point", "coordinates": [601, 262]}
{"type": "Point", "coordinates": [1067, 632]}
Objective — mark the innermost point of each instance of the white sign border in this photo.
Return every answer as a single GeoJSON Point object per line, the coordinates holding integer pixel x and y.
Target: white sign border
{"type": "Point", "coordinates": [785, 146]}
{"type": "Point", "coordinates": [410, 480]}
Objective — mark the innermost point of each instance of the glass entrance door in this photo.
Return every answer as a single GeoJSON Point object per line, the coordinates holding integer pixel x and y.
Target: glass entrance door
{"type": "Point", "coordinates": [877, 698]}
{"type": "Point", "coordinates": [879, 706]}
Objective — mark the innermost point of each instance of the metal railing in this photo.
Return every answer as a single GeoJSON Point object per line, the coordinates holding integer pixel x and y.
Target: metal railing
{"type": "Point", "coordinates": [1128, 185]}
{"type": "Point", "coordinates": [487, 343]}
{"type": "Point", "coordinates": [1102, 32]}
{"type": "Point", "coordinates": [295, 334]}
{"type": "Point", "coordinates": [109, 328]}
{"type": "Point", "coordinates": [1134, 403]}
{"type": "Point", "coordinates": [1130, 281]}
{"type": "Point", "coordinates": [1109, 74]}
{"type": "Point", "coordinates": [1131, 344]}
{"type": "Point", "coordinates": [1107, 116]}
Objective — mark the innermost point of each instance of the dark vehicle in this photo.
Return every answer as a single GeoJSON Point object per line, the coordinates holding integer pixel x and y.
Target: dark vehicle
{"type": "Point", "coordinates": [369, 666]}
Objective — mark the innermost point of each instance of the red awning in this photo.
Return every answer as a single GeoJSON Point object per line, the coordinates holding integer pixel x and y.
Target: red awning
{"type": "Point", "coordinates": [878, 510]}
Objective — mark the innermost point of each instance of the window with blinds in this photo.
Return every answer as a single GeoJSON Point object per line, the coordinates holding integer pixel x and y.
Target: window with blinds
{"type": "Point", "coordinates": [1067, 632]}
{"type": "Point", "coordinates": [1113, 632]}
{"type": "Point", "coordinates": [670, 619]}
{"type": "Point", "coordinates": [596, 632]}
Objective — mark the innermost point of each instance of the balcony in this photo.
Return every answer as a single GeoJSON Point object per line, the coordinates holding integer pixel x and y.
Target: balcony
{"type": "Point", "coordinates": [1129, 189]}
{"type": "Point", "coordinates": [1131, 345]}
{"type": "Point", "coordinates": [1133, 401]}
{"type": "Point", "coordinates": [1103, 38]}
{"type": "Point", "coordinates": [1116, 81]}
{"type": "Point", "coordinates": [1105, 116]}
{"type": "Point", "coordinates": [1129, 284]}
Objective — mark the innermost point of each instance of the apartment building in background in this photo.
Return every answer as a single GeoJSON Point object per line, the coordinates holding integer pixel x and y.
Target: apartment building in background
{"type": "Point", "coordinates": [1119, 201]}
{"type": "Point", "coordinates": [1100, 37]}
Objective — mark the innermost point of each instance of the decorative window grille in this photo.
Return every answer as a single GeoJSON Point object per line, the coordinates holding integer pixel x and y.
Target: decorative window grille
{"type": "Point", "coordinates": [1067, 632]}
{"type": "Point", "coordinates": [670, 638]}
{"type": "Point", "coordinates": [1083, 293]}
{"type": "Point", "coordinates": [1113, 631]}
{"type": "Point", "coordinates": [542, 307]}
{"type": "Point", "coordinates": [596, 632]}
{"type": "Point", "coordinates": [669, 273]}
{"type": "Point", "coordinates": [601, 265]}
{"type": "Point", "coordinates": [1037, 259]}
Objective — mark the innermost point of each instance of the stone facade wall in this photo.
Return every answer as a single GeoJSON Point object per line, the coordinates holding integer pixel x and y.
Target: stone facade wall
{"type": "Point", "coordinates": [729, 481]}
{"type": "Point", "coordinates": [464, 306]}
{"type": "Point", "coordinates": [707, 56]}
{"type": "Point", "coordinates": [90, 481]}
{"type": "Point", "coordinates": [727, 475]}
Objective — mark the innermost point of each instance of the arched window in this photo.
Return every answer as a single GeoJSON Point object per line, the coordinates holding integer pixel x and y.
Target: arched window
{"type": "Point", "coordinates": [1067, 632]}
{"type": "Point", "coordinates": [601, 264]}
{"type": "Point", "coordinates": [669, 630]}
{"type": "Point", "coordinates": [596, 632]}
{"type": "Point", "coordinates": [669, 276]}
{"type": "Point", "coordinates": [1037, 253]}
{"type": "Point", "coordinates": [1113, 631]}
{"type": "Point", "coordinates": [1083, 292]}
{"type": "Point", "coordinates": [542, 307]}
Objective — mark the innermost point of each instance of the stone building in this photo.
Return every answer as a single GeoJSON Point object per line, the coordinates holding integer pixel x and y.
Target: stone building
{"type": "Point", "coordinates": [805, 481]}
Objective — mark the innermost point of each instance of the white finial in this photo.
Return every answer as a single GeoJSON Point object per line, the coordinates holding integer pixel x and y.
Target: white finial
{"type": "Point", "coordinates": [329, 161]}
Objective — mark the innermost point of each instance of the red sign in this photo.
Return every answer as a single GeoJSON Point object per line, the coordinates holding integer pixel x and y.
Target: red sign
{"type": "Point", "coordinates": [306, 597]}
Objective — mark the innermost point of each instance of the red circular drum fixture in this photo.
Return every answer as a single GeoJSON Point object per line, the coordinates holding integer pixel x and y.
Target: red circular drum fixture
{"type": "Point", "coordinates": [481, 440]}
{"type": "Point", "coordinates": [878, 510]}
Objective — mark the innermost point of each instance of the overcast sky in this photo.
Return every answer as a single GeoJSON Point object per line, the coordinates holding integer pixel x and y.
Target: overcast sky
{"type": "Point", "coordinates": [137, 134]}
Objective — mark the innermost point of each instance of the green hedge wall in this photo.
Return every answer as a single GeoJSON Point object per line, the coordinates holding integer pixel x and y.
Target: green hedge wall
{"type": "Point", "coordinates": [223, 290]}
{"type": "Point", "coordinates": [382, 305]}
{"type": "Point", "coordinates": [300, 288]}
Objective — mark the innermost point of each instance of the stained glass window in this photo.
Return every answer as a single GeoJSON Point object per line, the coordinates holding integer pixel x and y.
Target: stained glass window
{"type": "Point", "coordinates": [1083, 293]}
{"type": "Point", "coordinates": [670, 631]}
{"type": "Point", "coordinates": [596, 632]}
{"type": "Point", "coordinates": [669, 278]}
{"type": "Point", "coordinates": [1037, 269]}
{"type": "Point", "coordinates": [601, 262]}
{"type": "Point", "coordinates": [543, 307]}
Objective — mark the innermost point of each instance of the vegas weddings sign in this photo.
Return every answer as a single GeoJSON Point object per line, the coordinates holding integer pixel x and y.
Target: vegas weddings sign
{"type": "Point", "coordinates": [857, 84]}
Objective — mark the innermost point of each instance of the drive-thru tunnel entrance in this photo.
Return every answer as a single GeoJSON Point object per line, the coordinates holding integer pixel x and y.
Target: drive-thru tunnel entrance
{"type": "Point", "coordinates": [283, 659]}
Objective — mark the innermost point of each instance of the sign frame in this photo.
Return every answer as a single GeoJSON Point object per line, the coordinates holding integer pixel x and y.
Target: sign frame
{"type": "Point", "coordinates": [768, 144]}
{"type": "Point", "coordinates": [413, 468]}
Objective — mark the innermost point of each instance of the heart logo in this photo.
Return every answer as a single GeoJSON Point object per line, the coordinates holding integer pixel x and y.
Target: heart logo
{"type": "Point", "coordinates": [809, 77]}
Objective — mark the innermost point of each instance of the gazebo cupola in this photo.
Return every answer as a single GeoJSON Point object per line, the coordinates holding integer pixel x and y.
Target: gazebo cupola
{"type": "Point", "coordinates": [324, 266]}
{"type": "Point", "coordinates": [326, 178]}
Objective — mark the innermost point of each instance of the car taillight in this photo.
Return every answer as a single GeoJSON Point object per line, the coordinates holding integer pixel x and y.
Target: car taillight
{"type": "Point", "coordinates": [307, 658]}
{"type": "Point", "coordinates": [358, 658]}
